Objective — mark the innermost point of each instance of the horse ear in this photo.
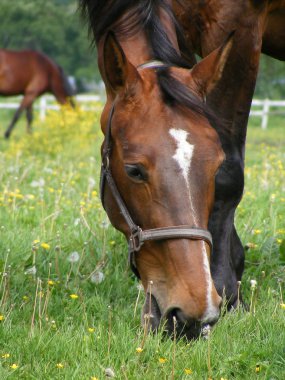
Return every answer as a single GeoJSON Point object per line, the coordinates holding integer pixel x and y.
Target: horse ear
{"type": "Point", "coordinates": [119, 72]}
{"type": "Point", "coordinates": [206, 73]}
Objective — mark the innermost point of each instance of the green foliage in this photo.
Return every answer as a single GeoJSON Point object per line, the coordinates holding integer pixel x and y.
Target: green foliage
{"type": "Point", "coordinates": [271, 79]}
{"type": "Point", "coordinates": [53, 27]}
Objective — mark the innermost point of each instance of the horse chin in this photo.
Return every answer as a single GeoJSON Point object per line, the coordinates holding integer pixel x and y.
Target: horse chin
{"type": "Point", "coordinates": [172, 324]}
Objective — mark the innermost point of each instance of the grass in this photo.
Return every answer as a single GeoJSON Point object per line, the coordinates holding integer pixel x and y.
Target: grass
{"type": "Point", "coordinates": [67, 297]}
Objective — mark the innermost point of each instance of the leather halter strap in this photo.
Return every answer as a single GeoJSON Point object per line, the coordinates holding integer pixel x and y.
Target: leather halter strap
{"type": "Point", "coordinates": [138, 236]}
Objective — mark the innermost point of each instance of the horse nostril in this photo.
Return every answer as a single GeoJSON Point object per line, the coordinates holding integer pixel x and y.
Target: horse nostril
{"type": "Point", "coordinates": [176, 315]}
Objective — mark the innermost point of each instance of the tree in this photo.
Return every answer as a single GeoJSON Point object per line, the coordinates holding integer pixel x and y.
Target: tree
{"type": "Point", "coordinates": [53, 27]}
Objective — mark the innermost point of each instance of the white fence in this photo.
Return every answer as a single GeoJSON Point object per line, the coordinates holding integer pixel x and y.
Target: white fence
{"type": "Point", "coordinates": [259, 108]}
{"type": "Point", "coordinates": [48, 102]}
{"type": "Point", "coordinates": [265, 109]}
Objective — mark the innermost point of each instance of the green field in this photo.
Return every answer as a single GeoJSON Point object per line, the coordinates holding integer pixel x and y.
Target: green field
{"type": "Point", "coordinates": [67, 297]}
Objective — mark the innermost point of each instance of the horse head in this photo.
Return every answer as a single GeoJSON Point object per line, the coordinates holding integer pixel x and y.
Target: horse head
{"type": "Point", "coordinates": [162, 156]}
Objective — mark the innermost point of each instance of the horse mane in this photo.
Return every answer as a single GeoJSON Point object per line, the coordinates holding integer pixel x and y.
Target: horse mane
{"type": "Point", "coordinates": [106, 15]}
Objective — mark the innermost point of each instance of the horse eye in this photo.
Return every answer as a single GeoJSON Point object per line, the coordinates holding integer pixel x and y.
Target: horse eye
{"type": "Point", "coordinates": [136, 172]}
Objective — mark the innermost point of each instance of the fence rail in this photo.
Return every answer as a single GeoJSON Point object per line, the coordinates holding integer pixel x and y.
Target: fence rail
{"type": "Point", "coordinates": [259, 108]}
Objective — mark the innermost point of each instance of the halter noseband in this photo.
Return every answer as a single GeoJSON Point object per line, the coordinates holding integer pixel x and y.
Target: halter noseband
{"type": "Point", "coordinates": [137, 235]}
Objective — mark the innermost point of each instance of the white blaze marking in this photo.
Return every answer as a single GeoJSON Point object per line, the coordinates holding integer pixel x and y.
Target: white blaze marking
{"type": "Point", "coordinates": [211, 311]}
{"type": "Point", "coordinates": [183, 156]}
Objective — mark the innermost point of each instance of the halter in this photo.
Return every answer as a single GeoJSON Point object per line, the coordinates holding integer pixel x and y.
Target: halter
{"type": "Point", "coordinates": [137, 235]}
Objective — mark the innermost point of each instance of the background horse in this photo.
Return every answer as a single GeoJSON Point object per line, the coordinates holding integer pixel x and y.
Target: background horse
{"type": "Point", "coordinates": [32, 74]}
{"type": "Point", "coordinates": [160, 156]}
{"type": "Point", "coordinates": [259, 26]}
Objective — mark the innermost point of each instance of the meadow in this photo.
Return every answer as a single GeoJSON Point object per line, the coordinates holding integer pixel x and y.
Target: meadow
{"type": "Point", "coordinates": [69, 304]}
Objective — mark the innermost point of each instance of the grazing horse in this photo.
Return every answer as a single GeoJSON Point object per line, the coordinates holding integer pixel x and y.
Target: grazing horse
{"type": "Point", "coordinates": [32, 74]}
{"type": "Point", "coordinates": [259, 26]}
{"type": "Point", "coordinates": [160, 154]}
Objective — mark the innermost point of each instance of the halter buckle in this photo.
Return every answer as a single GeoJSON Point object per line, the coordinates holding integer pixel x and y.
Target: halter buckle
{"type": "Point", "coordinates": [135, 241]}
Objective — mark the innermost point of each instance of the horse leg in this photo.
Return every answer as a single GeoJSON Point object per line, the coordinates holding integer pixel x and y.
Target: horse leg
{"type": "Point", "coordinates": [29, 114]}
{"type": "Point", "coordinates": [13, 122]}
{"type": "Point", "coordinates": [25, 103]}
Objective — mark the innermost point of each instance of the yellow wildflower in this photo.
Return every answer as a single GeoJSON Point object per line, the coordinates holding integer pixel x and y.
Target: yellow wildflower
{"type": "Point", "coordinates": [59, 365]}
{"type": "Point", "coordinates": [257, 232]}
{"type": "Point", "coordinates": [5, 356]}
{"type": "Point", "coordinates": [45, 246]}
{"type": "Point", "coordinates": [279, 241]}
{"type": "Point", "coordinates": [36, 241]}
{"type": "Point", "coordinates": [14, 366]}
{"type": "Point", "coordinates": [73, 296]}
{"type": "Point", "coordinates": [257, 368]}
{"type": "Point", "coordinates": [282, 305]}
{"type": "Point", "coordinates": [2, 317]}
{"type": "Point", "coordinates": [162, 360]}
{"type": "Point", "coordinates": [91, 329]}
{"type": "Point", "coordinates": [94, 378]}
{"type": "Point", "coordinates": [50, 282]}
{"type": "Point", "coordinates": [139, 350]}
{"type": "Point", "coordinates": [188, 371]}
{"type": "Point", "coordinates": [25, 298]}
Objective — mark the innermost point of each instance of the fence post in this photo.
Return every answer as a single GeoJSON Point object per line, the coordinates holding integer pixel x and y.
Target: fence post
{"type": "Point", "coordinates": [43, 106]}
{"type": "Point", "coordinates": [265, 113]}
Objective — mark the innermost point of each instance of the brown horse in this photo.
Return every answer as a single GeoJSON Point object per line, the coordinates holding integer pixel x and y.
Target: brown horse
{"type": "Point", "coordinates": [32, 74]}
{"type": "Point", "coordinates": [259, 26]}
{"type": "Point", "coordinates": [160, 156]}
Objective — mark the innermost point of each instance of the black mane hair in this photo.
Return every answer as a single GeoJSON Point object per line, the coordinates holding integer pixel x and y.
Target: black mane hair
{"type": "Point", "coordinates": [104, 16]}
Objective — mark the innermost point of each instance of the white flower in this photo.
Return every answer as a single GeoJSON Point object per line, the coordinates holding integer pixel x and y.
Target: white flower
{"type": "Point", "coordinates": [32, 270]}
{"type": "Point", "coordinates": [39, 183]}
{"type": "Point", "coordinates": [73, 257]}
{"type": "Point", "coordinates": [253, 284]}
{"type": "Point", "coordinates": [109, 372]}
{"type": "Point", "coordinates": [76, 221]}
{"type": "Point", "coordinates": [105, 224]}
{"type": "Point", "coordinates": [91, 182]}
{"type": "Point", "coordinates": [97, 277]}
{"type": "Point", "coordinates": [48, 170]}
{"type": "Point", "coordinates": [206, 330]}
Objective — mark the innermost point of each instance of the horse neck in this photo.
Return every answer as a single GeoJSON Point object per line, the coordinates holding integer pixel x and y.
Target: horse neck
{"type": "Point", "coordinates": [231, 98]}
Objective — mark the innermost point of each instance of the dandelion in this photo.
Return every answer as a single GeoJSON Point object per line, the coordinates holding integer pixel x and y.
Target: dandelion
{"type": "Point", "coordinates": [59, 365]}
{"type": "Point", "coordinates": [2, 317]}
{"type": "Point", "coordinates": [162, 360]}
{"type": "Point", "coordinates": [91, 329]}
{"type": "Point", "coordinates": [256, 232]}
{"type": "Point", "coordinates": [188, 371]}
{"type": "Point", "coordinates": [5, 356]}
{"type": "Point", "coordinates": [94, 378]}
{"type": "Point", "coordinates": [32, 270]}
{"type": "Point", "coordinates": [282, 305]}
{"type": "Point", "coordinates": [36, 242]}
{"type": "Point", "coordinates": [73, 296]}
{"type": "Point", "coordinates": [109, 372]}
{"type": "Point", "coordinates": [45, 246]}
{"type": "Point", "coordinates": [97, 277]}
{"type": "Point", "coordinates": [139, 350]}
{"type": "Point", "coordinates": [257, 368]}
{"type": "Point", "coordinates": [14, 366]}
{"type": "Point", "coordinates": [73, 257]}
